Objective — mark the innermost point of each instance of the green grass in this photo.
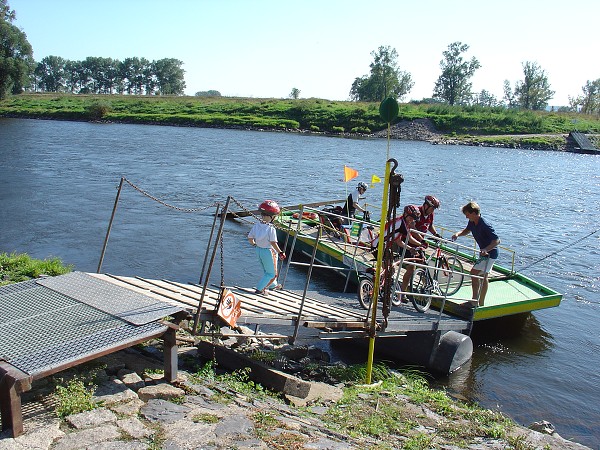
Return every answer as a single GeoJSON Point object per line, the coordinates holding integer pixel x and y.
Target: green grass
{"type": "Point", "coordinates": [381, 411]}
{"type": "Point", "coordinates": [74, 397]}
{"type": "Point", "coordinates": [287, 114]}
{"type": "Point", "coordinates": [21, 267]}
{"type": "Point", "coordinates": [238, 381]}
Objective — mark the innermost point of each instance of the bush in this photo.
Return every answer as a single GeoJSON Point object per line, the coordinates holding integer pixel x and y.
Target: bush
{"type": "Point", "coordinates": [74, 398]}
{"type": "Point", "coordinates": [365, 130]}
{"type": "Point", "coordinates": [97, 110]}
{"type": "Point", "coordinates": [338, 129]}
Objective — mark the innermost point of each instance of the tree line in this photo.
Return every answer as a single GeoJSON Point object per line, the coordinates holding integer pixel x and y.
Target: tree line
{"type": "Point", "coordinates": [19, 72]}
{"type": "Point", "coordinates": [98, 75]}
{"type": "Point", "coordinates": [454, 86]}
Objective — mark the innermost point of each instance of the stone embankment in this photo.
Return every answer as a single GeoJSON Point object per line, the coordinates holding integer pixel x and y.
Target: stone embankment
{"type": "Point", "coordinates": [143, 412]}
{"type": "Point", "coordinates": [413, 130]}
{"type": "Point", "coordinates": [424, 130]}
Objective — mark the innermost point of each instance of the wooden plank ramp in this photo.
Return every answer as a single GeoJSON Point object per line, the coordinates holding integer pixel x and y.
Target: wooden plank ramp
{"type": "Point", "coordinates": [283, 306]}
{"type": "Point", "coordinates": [583, 142]}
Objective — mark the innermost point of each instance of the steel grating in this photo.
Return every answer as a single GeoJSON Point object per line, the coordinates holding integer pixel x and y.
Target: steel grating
{"type": "Point", "coordinates": [67, 352]}
{"type": "Point", "coordinates": [23, 305]}
{"type": "Point", "coordinates": [124, 303]}
{"type": "Point", "coordinates": [42, 329]}
{"type": "Point", "coordinates": [54, 318]}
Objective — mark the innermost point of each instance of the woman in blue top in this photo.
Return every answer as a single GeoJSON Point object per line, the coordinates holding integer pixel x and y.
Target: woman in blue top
{"type": "Point", "coordinates": [487, 240]}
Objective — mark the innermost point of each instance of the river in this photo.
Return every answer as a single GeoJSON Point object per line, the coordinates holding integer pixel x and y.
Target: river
{"type": "Point", "coordinates": [58, 184]}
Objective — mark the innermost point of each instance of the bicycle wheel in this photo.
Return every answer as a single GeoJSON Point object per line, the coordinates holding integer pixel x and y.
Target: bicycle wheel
{"type": "Point", "coordinates": [365, 292]}
{"type": "Point", "coordinates": [419, 284]}
{"type": "Point", "coordinates": [450, 282]}
{"type": "Point", "coordinates": [396, 298]}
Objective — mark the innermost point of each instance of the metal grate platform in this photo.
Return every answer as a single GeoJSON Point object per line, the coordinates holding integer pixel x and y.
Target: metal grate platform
{"type": "Point", "coordinates": [126, 304]}
{"type": "Point", "coordinates": [41, 328]}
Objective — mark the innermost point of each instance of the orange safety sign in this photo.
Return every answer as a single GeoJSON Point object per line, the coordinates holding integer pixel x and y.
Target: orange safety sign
{"type": "Point", "coordinates": [230, 308]}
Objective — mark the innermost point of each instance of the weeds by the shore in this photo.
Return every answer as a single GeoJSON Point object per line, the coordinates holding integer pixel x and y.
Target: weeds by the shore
{"type": "Point", "coordinates": [21, 267]}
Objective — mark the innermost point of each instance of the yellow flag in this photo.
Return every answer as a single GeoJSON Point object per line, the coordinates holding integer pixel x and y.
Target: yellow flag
{"type": "Point", "coordinates": [375, 179]}
{"type": "Point", "coordinates": [349, 173]}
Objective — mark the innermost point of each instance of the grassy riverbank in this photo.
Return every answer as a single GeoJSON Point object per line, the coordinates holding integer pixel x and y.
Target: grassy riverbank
{"type": "Point", "coordinates": [477, 124]}
{"type": "Point", "coordinates": [21, 267]}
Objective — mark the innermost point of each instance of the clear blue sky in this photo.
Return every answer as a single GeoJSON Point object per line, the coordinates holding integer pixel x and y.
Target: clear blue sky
{"type": "Point", "coordinates": [264, 48]}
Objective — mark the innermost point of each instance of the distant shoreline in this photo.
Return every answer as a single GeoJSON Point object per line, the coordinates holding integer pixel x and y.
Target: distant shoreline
{"type": "Point", "coordinates": [409, 130]}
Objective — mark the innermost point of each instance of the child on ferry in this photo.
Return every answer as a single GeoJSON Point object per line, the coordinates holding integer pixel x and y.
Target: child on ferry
{"type": "Point", "coordinates": [263, 236]}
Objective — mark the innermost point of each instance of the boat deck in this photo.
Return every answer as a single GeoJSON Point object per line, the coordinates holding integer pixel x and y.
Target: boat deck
{"type": "Point", "coordinates": [508, 293]}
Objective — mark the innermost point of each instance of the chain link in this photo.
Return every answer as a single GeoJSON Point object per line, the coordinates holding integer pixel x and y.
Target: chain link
{"type": "Point", "coordinates": [242, 207]}
{"type": "Point", "coordinates": [141, 191]}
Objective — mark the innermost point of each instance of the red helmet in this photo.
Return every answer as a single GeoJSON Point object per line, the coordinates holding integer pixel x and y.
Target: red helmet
{"type": "Point", "coordinates": [269, 208]}
{"type": "Point", "coordinates": [431, 200]}
{"type": "Point", "coordinates": [413, 211]}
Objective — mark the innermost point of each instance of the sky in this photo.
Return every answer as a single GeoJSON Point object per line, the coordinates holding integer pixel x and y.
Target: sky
{"type": "Point", "coordinates": [265, 48]}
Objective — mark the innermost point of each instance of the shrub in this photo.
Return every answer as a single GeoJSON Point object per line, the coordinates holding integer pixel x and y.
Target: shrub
{"type": "Point", "coordinates": [74, 398]}
{"type": "Point", "coordinates": [365, 130]}
{"type": "Point", "coordinates": [97, 110]}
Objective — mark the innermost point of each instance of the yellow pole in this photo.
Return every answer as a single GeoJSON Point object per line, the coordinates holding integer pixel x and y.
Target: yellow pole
{"type": "Point", "coordinates": [384, 207]}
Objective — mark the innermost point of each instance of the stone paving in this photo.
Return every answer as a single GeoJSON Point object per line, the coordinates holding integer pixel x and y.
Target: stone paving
{"type": "Point", "coordinates": [140, 414]}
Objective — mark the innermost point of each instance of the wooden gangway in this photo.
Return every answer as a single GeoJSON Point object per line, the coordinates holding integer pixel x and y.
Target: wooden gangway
{"type": "Point", "coordinates": [585, 145]}
{"type": "Point", "coordinates": [283, 307]}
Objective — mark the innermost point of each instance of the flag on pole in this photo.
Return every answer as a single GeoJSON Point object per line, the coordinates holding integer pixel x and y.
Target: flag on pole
{"type": "Point", "coordinates": [349, 173]}
{"type": "Point", "coordinates": [375, 179]}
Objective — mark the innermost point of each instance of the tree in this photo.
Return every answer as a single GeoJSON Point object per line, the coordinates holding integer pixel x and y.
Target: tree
{"type": "Point", "coordinates": [51, 74]}
{"type": "Point", "coordinates": [16, 54]}
{"type": "Point", "coordinates": [211, 93]}
{"type": "Point", "coordinates": [133, 73]}
{"type": "Point", "coordinates": [386, 78]}
{"type": "Point", "coordinates": [533, 92]}
{"type": "Point", "coordinates": [589, 102]}
{"type": "Point", "coordinates": [295, 93]}
{"type": "Point", "coordinates": [485, 98]}
{"type": "Point", "coordinates": [169, 76]}
{"type": "Point", "coordinates": [509, 97]}
{"type": "Point", "coordinates": [453, 85]}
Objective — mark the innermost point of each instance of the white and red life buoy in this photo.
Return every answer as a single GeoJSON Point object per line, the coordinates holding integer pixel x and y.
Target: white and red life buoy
{"type": "Point", "coordinates": [306, 215]}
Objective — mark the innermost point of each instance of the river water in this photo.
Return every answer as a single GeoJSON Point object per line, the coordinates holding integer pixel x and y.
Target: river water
{"type": "Point", "coordinates": [58, 184]}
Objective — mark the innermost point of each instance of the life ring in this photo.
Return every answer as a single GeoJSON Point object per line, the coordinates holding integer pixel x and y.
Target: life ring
{"type": "Point", "coordinates": [306, 215]}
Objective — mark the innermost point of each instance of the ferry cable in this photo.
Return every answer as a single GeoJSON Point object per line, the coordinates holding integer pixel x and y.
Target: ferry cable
{"type": "Point", "coordinates": [150, 196]}
{"type": "Point", "coordinates": [570, 244]}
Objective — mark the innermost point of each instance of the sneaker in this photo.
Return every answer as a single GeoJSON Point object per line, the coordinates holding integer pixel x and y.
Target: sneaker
{"type": "Point", "coordinates": [278, 287]}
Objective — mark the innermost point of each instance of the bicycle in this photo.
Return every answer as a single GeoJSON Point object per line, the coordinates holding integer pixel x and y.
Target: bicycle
{"type": "Point", "coordinates": [366, 287]}
{"type": "Point", "coordinates": [447, 279]}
